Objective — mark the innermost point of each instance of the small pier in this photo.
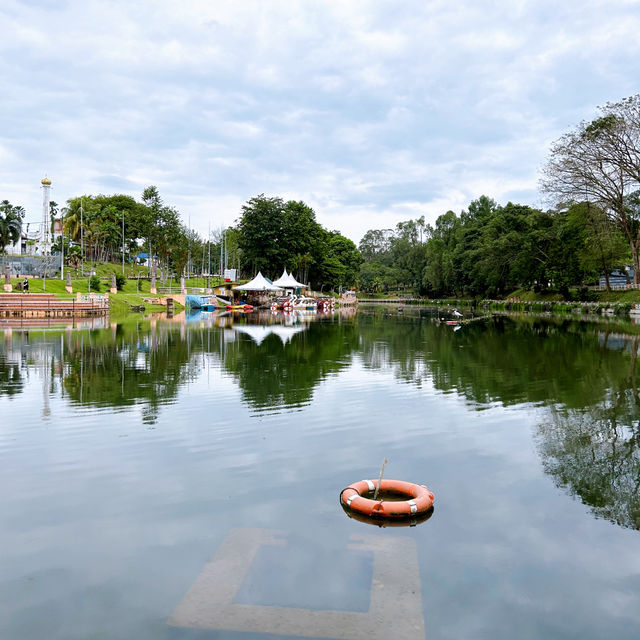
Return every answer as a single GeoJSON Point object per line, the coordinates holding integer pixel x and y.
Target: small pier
{"type": "Point", "coordinates": [46, 305]}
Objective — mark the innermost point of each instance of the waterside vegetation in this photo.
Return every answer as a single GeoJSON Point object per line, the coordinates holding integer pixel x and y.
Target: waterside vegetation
{"type": "Point", "coordinates": [592, 178]}
{"type": "Point", "coordinates": [487, 251]}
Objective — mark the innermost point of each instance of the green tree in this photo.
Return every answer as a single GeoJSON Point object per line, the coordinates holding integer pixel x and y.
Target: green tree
{"type": "Point", "coordinates": [377, 277]}
{"type": "Point", "coordinates": [345, 254]}
{"type": "Point", "coordinates": [272, 234]}
{"type": "Point", "coordinates": [11, 217]}
{"type": "Point", "coordinates": [438, 274]}
{"type": "Point", "coordinates": [260, 233]}
{"type": "Point", "coordinates": [599, 162]}
{"type": "Point", "coordinates": [148, 226]}
{"type": "Point", "coordinates": [603, 246]}
{"type": "Point", "coordinates": [376, 246]}
{"type": "Point", "coordinates": [54, 211]}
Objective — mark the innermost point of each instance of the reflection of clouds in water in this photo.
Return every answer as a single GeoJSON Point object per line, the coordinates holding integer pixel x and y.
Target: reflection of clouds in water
{"type": "Point", "coordinates": [618, 341]}
{"type": "Point", "coordinates": [595, 455]}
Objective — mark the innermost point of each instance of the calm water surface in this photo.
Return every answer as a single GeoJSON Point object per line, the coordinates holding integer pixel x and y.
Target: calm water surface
{"type": "Point", "coordinates": [131, 456]}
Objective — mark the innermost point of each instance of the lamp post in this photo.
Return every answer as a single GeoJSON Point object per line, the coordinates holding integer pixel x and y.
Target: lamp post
{"type": "Point", "coordinates": [81, 240]}
{"type": "Point", "coordinates": [123, 242]}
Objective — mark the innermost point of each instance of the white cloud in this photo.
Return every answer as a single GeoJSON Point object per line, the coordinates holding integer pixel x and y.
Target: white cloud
{"type": "Point", "coordinates": [371, 112]}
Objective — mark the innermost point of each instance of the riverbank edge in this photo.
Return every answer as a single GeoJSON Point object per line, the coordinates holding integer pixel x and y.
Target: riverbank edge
{"type": "Point", "coordinates": [530, 306]}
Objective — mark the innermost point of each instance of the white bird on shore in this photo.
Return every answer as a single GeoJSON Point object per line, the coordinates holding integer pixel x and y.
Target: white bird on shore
{"type": "Point", "coordinates": [457, 314]}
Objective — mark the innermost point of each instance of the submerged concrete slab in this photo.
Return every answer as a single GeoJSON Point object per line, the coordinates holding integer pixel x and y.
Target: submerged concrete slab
{"type": "Point", "coordinates": [396, 600]}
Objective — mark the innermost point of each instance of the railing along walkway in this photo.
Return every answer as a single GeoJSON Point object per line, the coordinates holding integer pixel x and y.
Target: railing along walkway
{"type": "Point", "coordinates": [43, 305]}
{"type": "Point", "coordinates": [614, 287]}
{"type": "Point", "coordinates": [394, 300]}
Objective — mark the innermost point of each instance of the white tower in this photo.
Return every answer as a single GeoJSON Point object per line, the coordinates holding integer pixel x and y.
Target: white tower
{"type": "Point", "coordinates": [46, 197]}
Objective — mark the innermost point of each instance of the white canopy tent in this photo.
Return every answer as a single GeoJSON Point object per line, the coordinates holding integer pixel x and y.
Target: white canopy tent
{"type": "Point", "coordinates": [287, 281]}
{"type": "Point", "coordinates": [259, 283]}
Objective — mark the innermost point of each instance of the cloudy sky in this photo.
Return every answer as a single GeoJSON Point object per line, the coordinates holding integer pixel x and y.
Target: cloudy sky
{"type": "Point", "coordinates": [372, 112]}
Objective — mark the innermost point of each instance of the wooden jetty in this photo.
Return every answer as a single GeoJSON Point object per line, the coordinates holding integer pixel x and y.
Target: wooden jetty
{"type": "Point", "coordinates": [46, 305]}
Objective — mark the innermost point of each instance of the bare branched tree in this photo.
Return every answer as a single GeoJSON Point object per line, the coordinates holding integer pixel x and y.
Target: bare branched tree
{"type": "Point", "coordinates": [599, 162]}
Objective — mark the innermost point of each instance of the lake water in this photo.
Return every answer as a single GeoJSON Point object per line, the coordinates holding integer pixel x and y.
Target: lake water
{"type": "Point", "coordinates": [173, 480]}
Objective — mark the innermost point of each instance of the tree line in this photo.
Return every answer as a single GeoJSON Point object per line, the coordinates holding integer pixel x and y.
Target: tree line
{"type": "Point", "coordinates": [592, 178]}
{"type": "Point", "coordinates": [269, 235]}
{"type": "Point", "coordinates": [490, 250]}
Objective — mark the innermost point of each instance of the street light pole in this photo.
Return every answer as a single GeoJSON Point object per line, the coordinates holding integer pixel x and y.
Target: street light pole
{"type": "Point", "coordinates": [123, 242]}
{"type": "Point", "coordinates": [62, 253]}
{"type": "Point", "coordinates": [81, 240]}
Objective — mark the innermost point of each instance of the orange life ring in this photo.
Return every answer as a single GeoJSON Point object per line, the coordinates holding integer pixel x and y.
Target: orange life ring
{"type": "Point", "coordinates": [418, 499]}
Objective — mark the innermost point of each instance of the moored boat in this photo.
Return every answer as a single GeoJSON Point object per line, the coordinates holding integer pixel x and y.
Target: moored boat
{"type": "Point", "coordinates": [302, 303]}
{"type": "Point", "coordinates": [240, 307]}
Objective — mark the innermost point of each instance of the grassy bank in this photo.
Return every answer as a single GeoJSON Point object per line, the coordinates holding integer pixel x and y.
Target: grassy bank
{"type": "Point", "coordinates": [617, 303]}
{"type": "Point", "coordinates": [620, 296]}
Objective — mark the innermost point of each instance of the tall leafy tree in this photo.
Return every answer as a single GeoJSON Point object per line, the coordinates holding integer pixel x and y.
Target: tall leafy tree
{"type": "Point", "coordinates": [260, 233]}
{"type": "Point", "coordinates": [438, 274]}
{"type": "Point", "coordinates": [273, 234]}
{"type": "Point", "coordinates": [303, 242]}
{"type": "Point", "coordinates": [599, 162]}
{"type": "Point", "coordinates": [376, 246]}
{"type": "Point", "coordinates": [346, 254]}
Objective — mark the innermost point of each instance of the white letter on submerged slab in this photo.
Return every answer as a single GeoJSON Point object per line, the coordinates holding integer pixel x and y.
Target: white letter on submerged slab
{"type": "Point", "coordinates": [396, 600]}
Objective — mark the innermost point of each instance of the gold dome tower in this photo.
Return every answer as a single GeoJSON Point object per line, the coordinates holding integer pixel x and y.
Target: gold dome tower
{"type": "Point", "coordinates": [44, 230]}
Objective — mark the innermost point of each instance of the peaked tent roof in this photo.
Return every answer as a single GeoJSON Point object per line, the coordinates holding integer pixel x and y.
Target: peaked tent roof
{"type": "Point", "coordinates": [287, 281]}
{"type": "Point", "coordinates": [259, 283]}
{"type": "Point", "coordinates": [281, 279]}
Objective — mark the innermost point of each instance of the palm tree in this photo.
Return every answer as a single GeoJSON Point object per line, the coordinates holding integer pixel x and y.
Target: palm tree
{"type": "Point", "coordinates": [10, 224]}
{"type": "Point", "coordinates": [71, 217]}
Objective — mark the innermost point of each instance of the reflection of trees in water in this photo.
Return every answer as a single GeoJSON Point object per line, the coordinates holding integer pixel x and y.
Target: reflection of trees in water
{"type": "Point", "coordinates": [127, 372]}
{"type": "Point", "coordinates": [147, 367]}
{"type": "Point", "coordinates": [594, 452]}
{"type": "Point", "coordinates": [497, 360]}
{"type": "Point", "coordinates": [595, 455]}
{"type": "Point", "coordinates": [271, 374]}
{"type": "Point", "coordinates": [386, 345]}
{"type": "Point", "coordinates": [591, 446]}
{"type": "Point", "coordinates": [275, 375]}
{"type": "Point", "coordinates": [11, 383]}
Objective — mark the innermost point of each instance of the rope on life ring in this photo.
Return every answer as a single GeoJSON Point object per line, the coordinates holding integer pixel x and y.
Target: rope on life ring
{"type": "Point", "coordinates": [417, 499]}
